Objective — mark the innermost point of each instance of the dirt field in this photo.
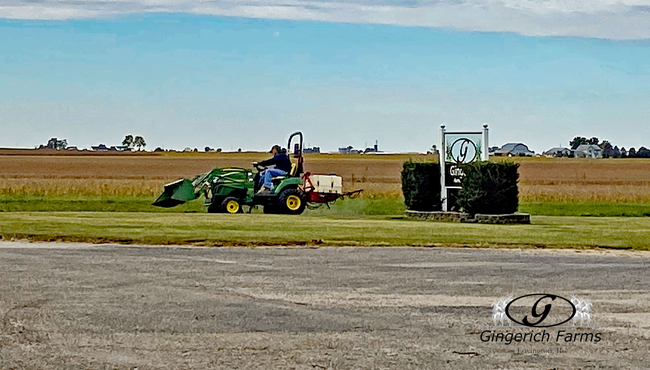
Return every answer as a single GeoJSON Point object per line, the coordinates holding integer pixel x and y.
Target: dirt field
{"type": "Point", "coordinates": [108, 307]}
{"type": "Point", "coordinates": [563, 180]}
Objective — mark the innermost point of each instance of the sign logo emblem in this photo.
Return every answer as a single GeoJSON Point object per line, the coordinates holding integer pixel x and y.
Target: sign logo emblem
{"type": "Point", "coordinates": [541, 310]}
{"type": "Point", "coordinates": [463, 151]}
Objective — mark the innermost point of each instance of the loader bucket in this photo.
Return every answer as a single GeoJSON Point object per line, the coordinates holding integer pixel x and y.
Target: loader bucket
{"type": "Point", "coordinates": [178, 192]}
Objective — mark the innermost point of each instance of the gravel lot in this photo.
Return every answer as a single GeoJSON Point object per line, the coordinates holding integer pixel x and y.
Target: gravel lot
{"type": "Point", "coordinates": [80, 306]}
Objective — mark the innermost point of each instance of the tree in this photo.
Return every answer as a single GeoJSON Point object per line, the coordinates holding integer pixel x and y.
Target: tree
{"type": "Point", "coordinates": [51, 144]}
{"type": "Point", "coordinates": [61, 144]}
{"type": "Point", "coordinates": [643, 152]}
{"type": "Point", "coordinates": [577, 141]}
{"type": "Point", "coordinates": [617, 152]}
{"type": "Point", "coordinates": [593, 141]}
{"type": "Point", "coordinates": [631, 153]}
{"type": "Point", "coordinates": [139, 142]}
{"type": "Point", "coordinates": [608, 151]}
{"type": "Point", "coordinates": [623, 152]}
{"type": "Point", "coordinates": [128, 141]}
{"type": "Point", "coordinates": [56, 144]}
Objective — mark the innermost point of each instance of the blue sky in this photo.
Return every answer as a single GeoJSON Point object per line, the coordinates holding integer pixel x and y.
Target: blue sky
{"type": "Point", "coordinates": [196, 78]}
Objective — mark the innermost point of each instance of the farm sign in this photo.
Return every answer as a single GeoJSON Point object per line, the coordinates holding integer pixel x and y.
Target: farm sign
{"type": "Point", "coordinates": [459, 148]}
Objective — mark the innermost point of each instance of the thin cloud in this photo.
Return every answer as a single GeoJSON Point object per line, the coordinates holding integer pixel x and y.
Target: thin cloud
{"type": "Point", "coordinates": [607, 19]}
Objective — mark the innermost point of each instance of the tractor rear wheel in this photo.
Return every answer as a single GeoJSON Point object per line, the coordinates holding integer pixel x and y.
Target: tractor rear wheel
{"type": "Point", "coordinates": [292, 202]}
{"type": "Point", "coordinates": [231, 205]}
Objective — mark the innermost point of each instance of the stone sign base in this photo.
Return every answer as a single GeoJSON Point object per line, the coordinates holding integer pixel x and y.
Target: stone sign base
{"type": "Point", "coordinates": [511, 218]}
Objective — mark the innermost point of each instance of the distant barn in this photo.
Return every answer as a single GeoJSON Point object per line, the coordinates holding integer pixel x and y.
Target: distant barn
{"type": "Point", "coordinates": [514, 150]}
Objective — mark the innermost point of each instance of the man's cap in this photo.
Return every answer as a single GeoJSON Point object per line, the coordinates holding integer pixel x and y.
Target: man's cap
{"type": "Point", "coordinates": [276, 148]}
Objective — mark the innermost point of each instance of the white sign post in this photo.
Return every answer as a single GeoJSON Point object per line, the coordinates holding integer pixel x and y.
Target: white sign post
{"type": "Point", "coordinates": [456, 149]}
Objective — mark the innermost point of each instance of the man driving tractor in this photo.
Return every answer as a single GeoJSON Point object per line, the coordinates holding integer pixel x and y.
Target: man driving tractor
{"type": "Point", "coordinates": [279, 165]}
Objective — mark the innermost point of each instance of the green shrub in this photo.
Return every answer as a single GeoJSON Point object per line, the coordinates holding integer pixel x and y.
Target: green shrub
{"type": "Point", "coordinates": [421, 185]}
{"type": "Point", "coordinates": [490, 188]}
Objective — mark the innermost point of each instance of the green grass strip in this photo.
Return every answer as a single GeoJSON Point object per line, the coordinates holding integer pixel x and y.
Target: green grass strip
{"type": "Point", "coordinates": [345, 208]}
{"type": "Point", "coordinates": [260, 229]}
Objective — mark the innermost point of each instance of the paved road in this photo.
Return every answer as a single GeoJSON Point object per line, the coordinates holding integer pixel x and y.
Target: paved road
{"type": "Point", "coordinates": [77, 306]}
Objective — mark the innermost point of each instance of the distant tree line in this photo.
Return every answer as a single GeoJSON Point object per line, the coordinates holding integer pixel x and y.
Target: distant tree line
{"type": "Point", "coordinates": [610, 151]}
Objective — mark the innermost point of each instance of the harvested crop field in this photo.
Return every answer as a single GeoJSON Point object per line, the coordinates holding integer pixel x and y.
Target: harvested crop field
{"type": "Point", "coordinates": [145, 174]}
{"type": "Point", "coordinates": [541, 179]}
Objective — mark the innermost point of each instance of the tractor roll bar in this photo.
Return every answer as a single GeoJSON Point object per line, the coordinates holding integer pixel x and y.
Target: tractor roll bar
{"type": "Point", "coordinates": [297, 152]}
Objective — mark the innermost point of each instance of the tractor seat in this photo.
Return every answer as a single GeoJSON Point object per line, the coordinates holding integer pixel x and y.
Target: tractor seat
{"type": "Point", "coordinates": [278, 179]}
{"type": "Point", "coordinates": [292, 173]}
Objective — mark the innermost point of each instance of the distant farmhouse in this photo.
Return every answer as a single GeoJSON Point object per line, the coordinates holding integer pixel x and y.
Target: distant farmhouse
{"type": "Point", "coordinates": [349, 150]}
{"type": "Point", "coordinates": [588, 151]}
{"type": "Point", "coordinates": [514, 150]}
{"type": "Point", "coordinates": [115, 148]}
{"type": "Point", "coordinates": [558, 152]}
{"type": "Point", "coordinates": [581, 151]}
{"type": "Point", "coordinates": [100, 148]}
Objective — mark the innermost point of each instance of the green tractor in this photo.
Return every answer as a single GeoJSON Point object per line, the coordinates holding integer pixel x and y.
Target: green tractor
{"type": "Point", "coordinates": [226, 190]}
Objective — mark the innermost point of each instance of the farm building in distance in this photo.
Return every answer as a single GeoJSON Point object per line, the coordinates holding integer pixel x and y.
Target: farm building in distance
{"type": "Point", "coordinates": [349, 150]}
{"type": "Point", "coordinates": [582, 151]}
{"type": "Point", "coordinates": [514, 150]}
{"type": "Point", "coordinates": [588, 151]}
{"type": "Point", "coordinates": [558, 152]}
{"type": "Point", "coordinates": [116, 148]}
{"type": "Point", "coordinates": [374, 149]}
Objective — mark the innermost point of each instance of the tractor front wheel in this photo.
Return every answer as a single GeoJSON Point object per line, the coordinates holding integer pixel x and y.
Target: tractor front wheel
{"type": "Point", "coordinates": [292, 202]}
{"type": "Point", "coordinates": [231, 205]}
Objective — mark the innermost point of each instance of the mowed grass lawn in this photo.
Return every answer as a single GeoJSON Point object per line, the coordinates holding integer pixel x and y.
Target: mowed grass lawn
{"type": "Point", "coordinates": [260, 229]}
